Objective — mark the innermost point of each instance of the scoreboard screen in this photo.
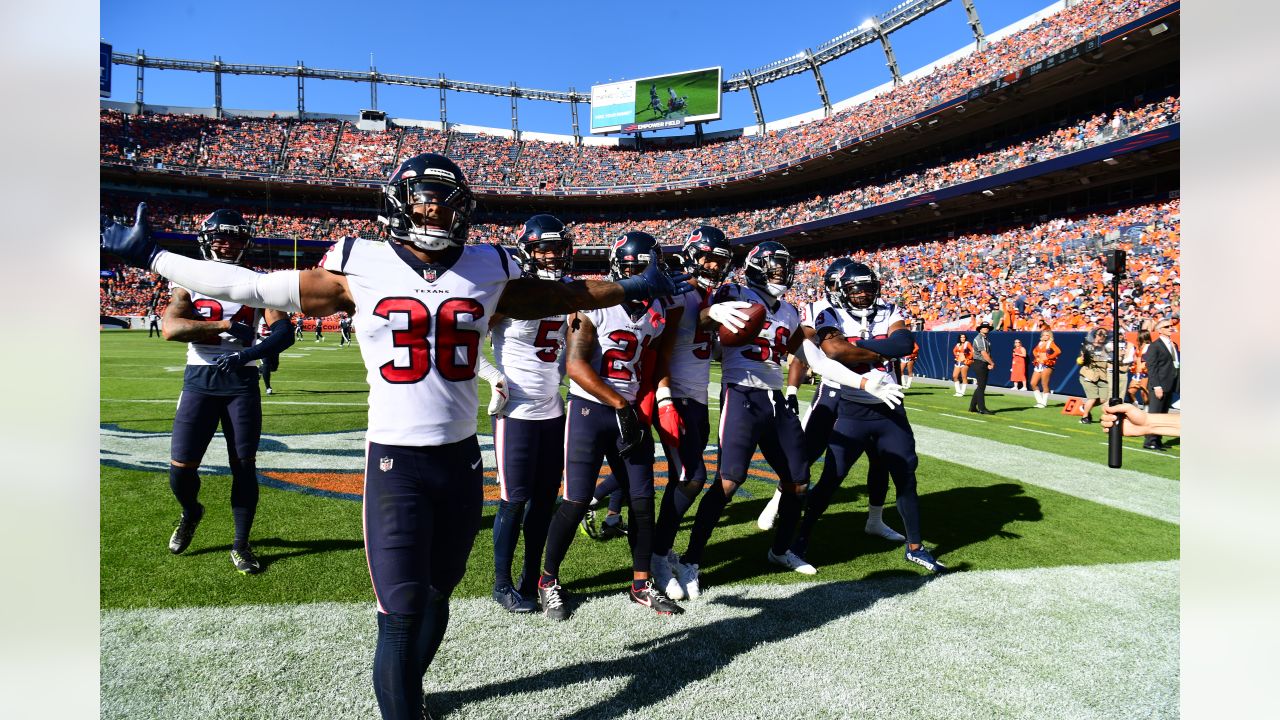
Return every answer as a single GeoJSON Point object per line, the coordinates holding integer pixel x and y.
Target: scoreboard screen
{"type": "Point", "coordinates": [652, 103]}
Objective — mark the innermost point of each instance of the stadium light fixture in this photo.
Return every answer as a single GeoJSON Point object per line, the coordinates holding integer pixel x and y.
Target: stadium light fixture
{"type": "Point", "coordinates": [867, 24]}
{"type": "Point", "coordinates": [1111, 161]}
{"type": "Point", "coordinates": [988, 193]}
{"type": "Point", "coordinates": [1158, 29]}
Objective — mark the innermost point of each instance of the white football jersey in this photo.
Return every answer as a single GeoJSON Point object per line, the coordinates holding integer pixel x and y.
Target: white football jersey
{"type": "Point", "coordinates": [808, 314]}
{"type": "Point", "coordinates": [206, 353]}
{"type": "Point", "coordinates": [420, 328]}
{"type": "Point", "coordinates": [875, 325]}
{"type": "Point", "coordinates": [758, 364]}
{"type": "Point", "coordinates": [691, 356]}
{"type": "Point", "coordinates": [530, 354]}
{"type": "Point", "coordinates": [620, 340]}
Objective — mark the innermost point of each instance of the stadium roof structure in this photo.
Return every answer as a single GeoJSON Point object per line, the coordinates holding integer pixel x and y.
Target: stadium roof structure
{"type": "Point", "coordinates": [876, 28]}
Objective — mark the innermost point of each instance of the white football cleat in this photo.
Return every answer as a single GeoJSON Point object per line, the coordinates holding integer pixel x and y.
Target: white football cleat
{"type": "Point", "coordinates": [879, 529]}
{"type": "Point", "coordinates": [765, 521]}
{"type": "Point", "coordinates": [661, 568]}
{"type": "Point", "coordinates": [672, 587]}
{"type": "Point", "coordinates": [689, 580]}
{"type": "Point", "coordinates": [791, 561]}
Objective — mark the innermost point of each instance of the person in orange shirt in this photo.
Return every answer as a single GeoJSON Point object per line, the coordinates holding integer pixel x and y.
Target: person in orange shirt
{"type": "Point", "coordinates": [909, 365]}
{"type": "Point", "coordinates": [963, 353]}
{"type": "Point", "coordinates": [1045, 355]}
{"type": "Point", "coordinates": [1018, 367]}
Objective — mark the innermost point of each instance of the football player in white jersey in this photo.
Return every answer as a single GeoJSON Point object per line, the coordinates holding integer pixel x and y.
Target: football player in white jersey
{"type": "Point", "coordinates": [754, 414]}
{"type": "Point", "coordinates": [683, 420]}
{"type": "Point", "coordinates": [603, 362]}
{"type": "Point", "coordinates": [421, 303]}
{"type": "Point", "coordinates": [220, 385]}
{"type": "Point", "coordinates": [821, 415]}
{"type": "Point", "coordinates": [860, 323]}
{"type": "Point", "coordinates": [528, 427]}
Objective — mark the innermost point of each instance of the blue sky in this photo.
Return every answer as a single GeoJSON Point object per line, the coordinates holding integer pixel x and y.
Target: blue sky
{"type": "Point", "coordinates": [544, 45]}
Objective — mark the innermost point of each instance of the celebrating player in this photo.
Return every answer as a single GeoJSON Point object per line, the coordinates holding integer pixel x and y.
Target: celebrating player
{"type": "Point", "coordinates": [421, 304]}
{"type": "Point", "coordinates": [603, 364]}
{"type": "Point", "coordinates": [528, 427]}
{"type": "Point", "coordinates": [821, 416]}
{"type": "Point", "coordinates": [220, 385]}
{"type": "Point", "coordinates": [864, 329]}
{"type": "Point", "coordinates": [683, 420]}
{"type": "Point", "coordinates": [754, 414]}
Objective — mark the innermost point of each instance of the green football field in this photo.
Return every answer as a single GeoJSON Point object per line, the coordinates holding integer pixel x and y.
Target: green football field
{"type": "Point", "coordinates": [1063, 601]}
{"type": "Point", "coordinates": [700, 90]}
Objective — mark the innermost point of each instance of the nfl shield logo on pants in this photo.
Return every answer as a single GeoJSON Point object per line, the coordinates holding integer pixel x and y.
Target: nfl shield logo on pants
{"type": "Point", "coordinates": [385, 464]}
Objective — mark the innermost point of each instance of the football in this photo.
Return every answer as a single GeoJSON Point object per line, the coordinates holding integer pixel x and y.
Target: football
{"type": "Point", "coordinates": [755, 323]}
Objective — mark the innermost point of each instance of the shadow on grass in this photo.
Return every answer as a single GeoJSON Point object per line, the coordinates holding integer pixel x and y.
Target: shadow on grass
{"type": "Point", "coordinates": [272, 549]}
{"type": "Point", "coordinates": [950, 520]}
{"type": "Point", "coordinates": [666, 665]}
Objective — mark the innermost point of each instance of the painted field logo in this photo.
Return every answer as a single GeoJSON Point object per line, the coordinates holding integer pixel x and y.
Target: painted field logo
{"type": "Point", "coordinates": [329, 464]}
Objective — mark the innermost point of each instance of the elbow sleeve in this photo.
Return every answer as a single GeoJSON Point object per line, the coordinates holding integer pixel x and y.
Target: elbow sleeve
{"type": "Point", "coordinates": [276, 290]}
{"type": "Point", "coordinates": [899, 344]}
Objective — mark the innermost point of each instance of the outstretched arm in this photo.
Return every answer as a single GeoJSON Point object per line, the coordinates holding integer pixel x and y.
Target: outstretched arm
{"type": "Point", "coordinates": [531, 298]}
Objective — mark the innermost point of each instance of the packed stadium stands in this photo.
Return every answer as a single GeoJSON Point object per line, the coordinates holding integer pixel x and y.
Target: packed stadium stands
{"type": "Point", "coordinates": [1043, 273]}
{"type": "Point", "coordinates": [496, 162]}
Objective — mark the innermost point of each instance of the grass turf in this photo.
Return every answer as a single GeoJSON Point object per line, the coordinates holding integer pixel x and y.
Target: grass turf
{"type": "Point", "coordinates": [313, 549]}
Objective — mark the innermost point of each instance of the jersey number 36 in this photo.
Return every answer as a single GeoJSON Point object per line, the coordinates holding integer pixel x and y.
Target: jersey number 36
{"type": "Point", "coordinates": [418, 336]}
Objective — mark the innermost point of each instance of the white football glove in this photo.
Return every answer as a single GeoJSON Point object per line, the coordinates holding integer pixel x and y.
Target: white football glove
{"type": "Point", "coordinates": [729, 313]}
{"type": "Point", "coordinates": [498, 396]}
{"type": "Point", "coordinates": [881, 385]}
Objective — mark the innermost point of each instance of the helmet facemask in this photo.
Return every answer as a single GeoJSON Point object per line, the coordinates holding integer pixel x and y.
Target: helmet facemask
{"type": "Point", "coordinates": [548, 257]}
{"type": "Point", "coordinates": [431, 210]}
{"type": "Point", "coordinates": [224, 242]}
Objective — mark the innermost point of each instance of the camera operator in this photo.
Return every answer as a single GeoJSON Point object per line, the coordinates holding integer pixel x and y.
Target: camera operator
{"type": "Point", "coordinates": [1095, 370]}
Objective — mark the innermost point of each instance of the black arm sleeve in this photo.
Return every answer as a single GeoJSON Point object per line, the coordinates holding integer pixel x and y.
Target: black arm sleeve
{"type": "Point", "coordinates": [278, 341]}
{"type": "Point", "coordinates": [899, 344]}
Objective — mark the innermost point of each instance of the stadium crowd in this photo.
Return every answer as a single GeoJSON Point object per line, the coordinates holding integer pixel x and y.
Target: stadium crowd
{"type": "Point", "coordinates": [496, 161]}
{"type": "Point", "coordinates": [1046, 275]}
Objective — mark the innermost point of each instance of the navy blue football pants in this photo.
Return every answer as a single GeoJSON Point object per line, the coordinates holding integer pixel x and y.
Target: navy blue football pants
{"type": "Point", "coordinates": [421, 515]}
{"type": "Point", "coordinates": [686, 472]}
{"type": "Point", "coordinates": [530, 459]}
{"type": "Point", "coordinates": [818, 423]}
{"type": "Point", "coordinates": [862, 428]}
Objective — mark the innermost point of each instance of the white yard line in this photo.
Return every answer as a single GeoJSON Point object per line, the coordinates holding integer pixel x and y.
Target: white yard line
{"type": "Point", "coordinates": [1042, 432]}
{"type": "Point", "coordinates": [1127, 448]}
{"type": "Point", "coordinates": [961, 417]}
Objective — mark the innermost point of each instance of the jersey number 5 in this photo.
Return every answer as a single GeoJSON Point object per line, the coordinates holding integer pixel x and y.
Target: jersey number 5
{"type": "Point", "coordinates": [418, 335]}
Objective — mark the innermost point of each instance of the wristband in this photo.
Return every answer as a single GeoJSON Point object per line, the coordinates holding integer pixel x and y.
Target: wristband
{"type": "Point", "coordinates": [662, 393]}
{"type": "Point", "coordinates": [792, 390]}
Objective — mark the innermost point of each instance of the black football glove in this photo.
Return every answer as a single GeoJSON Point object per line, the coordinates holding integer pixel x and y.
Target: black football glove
{"type": "Point", "coordinates": [630, 430]}
{"type": "Point", "coordinates": [230, 362]}
{"type": "Point", "coordinates": [793, 404]}
{"type": "Point", "coordinates": [131, 243]}
{"type": "Point", "coordinates": [653, 283]}
{"type": "Point", "coordinates": [241, 332]}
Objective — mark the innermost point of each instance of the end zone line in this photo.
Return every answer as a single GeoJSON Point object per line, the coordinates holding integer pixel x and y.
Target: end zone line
{"type": "Point", "coordinates": [1042, 432]}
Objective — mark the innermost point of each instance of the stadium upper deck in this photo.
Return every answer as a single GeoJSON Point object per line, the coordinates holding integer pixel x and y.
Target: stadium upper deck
{"type": "Point", "coordinates": [333, 153]}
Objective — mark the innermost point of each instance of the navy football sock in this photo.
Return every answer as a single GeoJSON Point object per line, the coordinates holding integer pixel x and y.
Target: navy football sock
{"type": "Point", "coordinates": [506, 533]}
{"type": "Point", "coordinates": [185, 484]}
{"type": "Point", "coordinates": [537, 521]}
{"type": "Point", "coordinates": [244, 499]}
{"type": "Point", "coordinates": [675, 503]}
{"type": "Point", "coordinates": [640, 533]}
{"type": "Point", "coordinates": [564, 524]}
{"type": "Point", "coordinates": [397, 667]}
{"type": "Point", "coordinates": [434, 623]}
{"type": "Point", "coordinates": [712, 505]}
{"type": "Point", "coordinates": [785, 524]}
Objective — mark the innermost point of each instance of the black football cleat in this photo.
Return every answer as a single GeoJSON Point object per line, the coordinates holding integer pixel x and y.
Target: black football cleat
{"type": "Point", "coordinates": [652, 598]}
{"type": "Point", "coordinates": [609, 531]}
{"type": "Point", "coordinates": [513, 601]}
{"type": "Point", "coordinates": [245, 561]}
{"type": "Point", "coordinates": [554, 600]}
{"type": "Point", "coordinates": [186, 530]}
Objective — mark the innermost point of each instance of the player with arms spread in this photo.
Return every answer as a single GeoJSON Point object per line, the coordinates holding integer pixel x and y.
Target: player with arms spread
{"type": "Point", "coordinates": [421, 303]}
{"type": "Point", "coordinates": [866, 333]}
{"type": "Point", "coordinates": [220, 385]}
